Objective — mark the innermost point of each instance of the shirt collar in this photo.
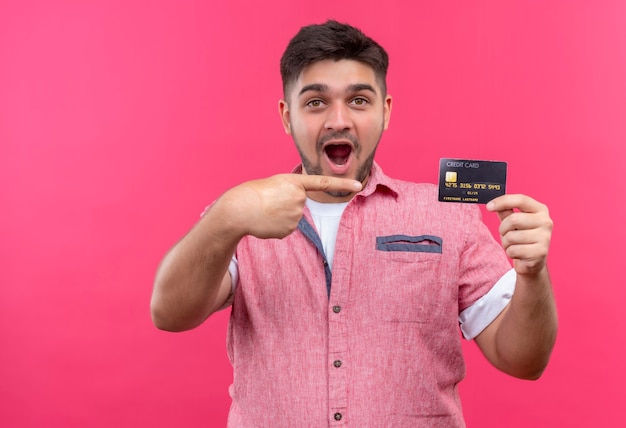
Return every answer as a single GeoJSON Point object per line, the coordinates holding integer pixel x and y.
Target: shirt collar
{"type": "Point", "coordinates": [378, 182]}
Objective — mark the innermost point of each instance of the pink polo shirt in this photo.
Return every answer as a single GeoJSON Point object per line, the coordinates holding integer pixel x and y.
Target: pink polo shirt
{"type": "Point", "coordinates": [375, 342]}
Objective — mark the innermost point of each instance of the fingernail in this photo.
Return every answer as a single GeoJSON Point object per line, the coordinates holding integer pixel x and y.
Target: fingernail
{"type": "Point", "coordinates": [358, 185]}
{"type": "Point", "coordinates": [490, 206]}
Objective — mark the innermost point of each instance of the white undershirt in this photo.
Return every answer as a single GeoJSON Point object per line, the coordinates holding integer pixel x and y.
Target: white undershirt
{"type": "Point", "coordinates": [326, 218]}
{"type": "Point", "coordinates": [474, 319]}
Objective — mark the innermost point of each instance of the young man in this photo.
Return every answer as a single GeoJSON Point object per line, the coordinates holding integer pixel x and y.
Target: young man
{"type": "Point", "coordinates": [347, 287]}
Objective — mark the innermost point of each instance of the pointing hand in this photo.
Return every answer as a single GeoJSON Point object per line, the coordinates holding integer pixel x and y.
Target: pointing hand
{"type": "Point", "coordinates": [272, 207]}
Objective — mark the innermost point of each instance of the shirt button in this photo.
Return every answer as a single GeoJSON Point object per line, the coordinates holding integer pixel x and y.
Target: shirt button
{"type": "Point", "coordinates": [336, 309]}
{"type": "Point", "coordinates": [337, 416]}
{"type": "Point", "coordinates": [337, 363]}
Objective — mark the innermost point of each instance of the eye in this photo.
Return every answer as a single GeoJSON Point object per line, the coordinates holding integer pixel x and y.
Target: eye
{"type": "Point", "coordinates": [315, 103]}
{"type": "Point", "coordinates": [359, 101]}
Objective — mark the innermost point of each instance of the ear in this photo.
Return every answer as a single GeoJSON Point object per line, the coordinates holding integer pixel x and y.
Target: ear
{"type": "Point", "coordinates": [283, 110]}
{"type": "Point", "coordinates": [387, 111]}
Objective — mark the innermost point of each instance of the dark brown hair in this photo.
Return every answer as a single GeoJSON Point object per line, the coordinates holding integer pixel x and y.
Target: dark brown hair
{"type": "Point", "coordinates": [335, 41]}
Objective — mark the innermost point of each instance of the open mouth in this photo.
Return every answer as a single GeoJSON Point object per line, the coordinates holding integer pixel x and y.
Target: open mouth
{"type": "Point", "coordinates": [338, 153]}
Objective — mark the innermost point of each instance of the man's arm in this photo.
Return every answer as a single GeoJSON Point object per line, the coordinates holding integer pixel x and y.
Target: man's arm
{"type": "Point", "coordinates": [193, 281]}
{"type": "Point", "coordinates": [520, 340]}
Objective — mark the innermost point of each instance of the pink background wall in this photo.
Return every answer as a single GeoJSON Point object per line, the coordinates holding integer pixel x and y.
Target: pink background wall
{"type": "Point", "coordinates": [120, 120]}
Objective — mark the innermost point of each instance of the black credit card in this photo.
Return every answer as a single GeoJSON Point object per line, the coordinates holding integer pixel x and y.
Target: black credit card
{"type": "Point", "coordinates": [471, 181]}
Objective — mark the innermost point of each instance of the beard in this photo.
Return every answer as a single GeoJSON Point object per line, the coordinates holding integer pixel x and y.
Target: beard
{"type": "Point", "coordinates": [316, 168]}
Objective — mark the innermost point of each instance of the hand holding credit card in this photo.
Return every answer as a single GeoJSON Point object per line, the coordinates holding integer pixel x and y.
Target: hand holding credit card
{"type": "Point", "coordinates": [471, 181]}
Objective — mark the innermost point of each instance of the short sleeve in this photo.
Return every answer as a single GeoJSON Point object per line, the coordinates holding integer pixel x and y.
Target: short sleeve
{"type": "Point", "coordinates": [476, 317]}
{"type": "Point", "coordinates": [482, 261]}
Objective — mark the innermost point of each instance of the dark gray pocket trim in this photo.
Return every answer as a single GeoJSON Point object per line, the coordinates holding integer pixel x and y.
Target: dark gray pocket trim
{"type": "Point", "coordinates": [416, 244]}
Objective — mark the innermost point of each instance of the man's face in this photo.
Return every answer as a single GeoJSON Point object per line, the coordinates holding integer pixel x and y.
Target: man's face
{"type": "Point", "coordinates": [336, 113]}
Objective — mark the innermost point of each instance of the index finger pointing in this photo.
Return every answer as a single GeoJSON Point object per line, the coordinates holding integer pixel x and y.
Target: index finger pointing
{"type": "Point", "coordinates": [329, 184]}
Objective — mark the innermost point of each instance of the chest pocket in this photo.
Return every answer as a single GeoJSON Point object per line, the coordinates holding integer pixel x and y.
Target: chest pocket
{"type": "Point", "coordinates": [412, 284]}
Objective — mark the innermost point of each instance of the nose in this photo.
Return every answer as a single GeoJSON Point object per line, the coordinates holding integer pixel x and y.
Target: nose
{"type": "Point", "coordinates": [338, 118]}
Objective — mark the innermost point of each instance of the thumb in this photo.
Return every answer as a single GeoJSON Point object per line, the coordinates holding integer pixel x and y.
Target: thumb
{"type": "Point", "coordinates": [504, 214]}
{"type": "Point", "coordinates": [501, 211]}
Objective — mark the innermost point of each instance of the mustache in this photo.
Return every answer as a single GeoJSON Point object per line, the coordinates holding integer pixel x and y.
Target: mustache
{"type": "Point", "coordinates": [341, 135]}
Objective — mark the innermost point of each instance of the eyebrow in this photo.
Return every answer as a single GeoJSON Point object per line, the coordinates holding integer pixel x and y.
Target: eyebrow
{"type": "Point", "coordinates": [316, 87]}
{"type": "Point", "coordinates": [320, 87]}
{"type": "Point", "coordinates": [361, 87]}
